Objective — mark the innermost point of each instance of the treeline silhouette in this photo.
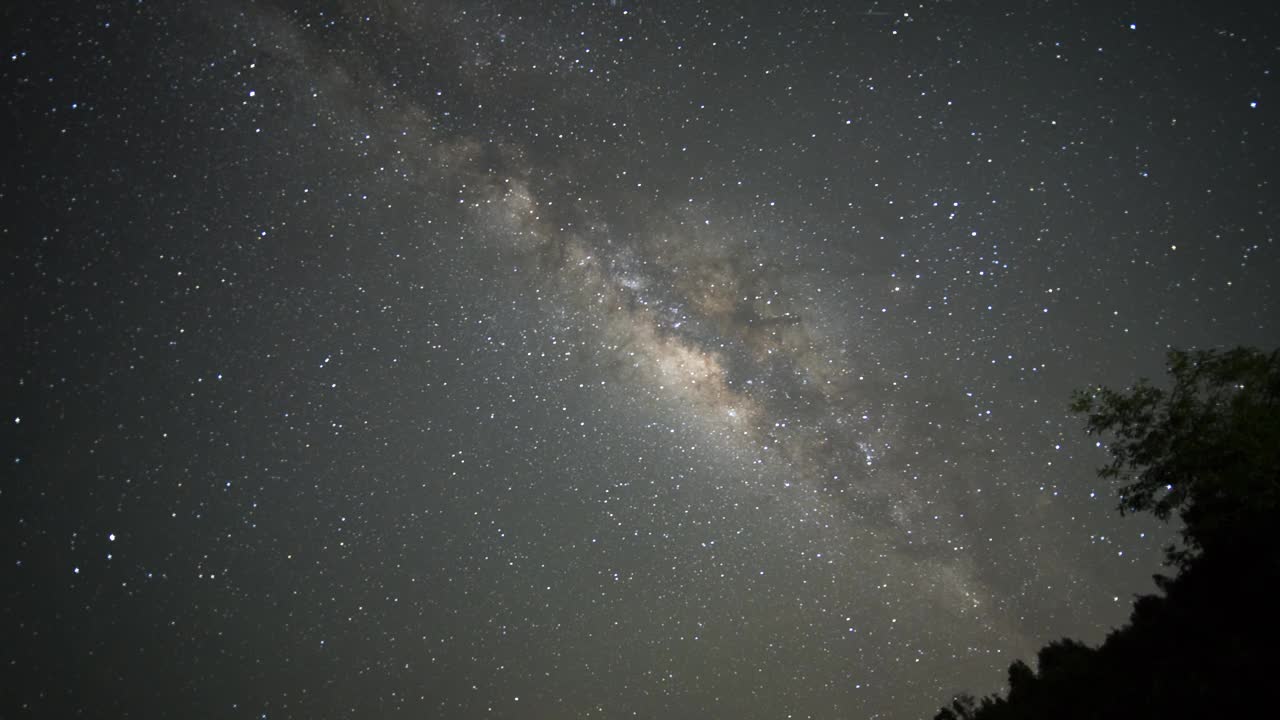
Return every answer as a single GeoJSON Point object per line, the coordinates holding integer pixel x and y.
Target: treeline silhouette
{"type": "Point", "coordinates": [1207, 644]}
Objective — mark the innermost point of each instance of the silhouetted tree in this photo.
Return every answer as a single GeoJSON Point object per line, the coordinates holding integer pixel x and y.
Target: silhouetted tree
{"type": "Point", "coordinates": [1022, 680]}
{"type": "Point", "coordinates": [1208, 450]}
{"type": "Point", "coordinates": [962, 707]}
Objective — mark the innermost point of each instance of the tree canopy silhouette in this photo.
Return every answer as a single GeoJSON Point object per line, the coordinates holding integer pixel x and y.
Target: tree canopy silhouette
{"type": "Point", "coordinates": [1208, 450]}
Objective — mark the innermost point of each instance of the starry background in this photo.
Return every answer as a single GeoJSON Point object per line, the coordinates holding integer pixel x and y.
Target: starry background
{"type": "Point", "coordinates": [600, 359]}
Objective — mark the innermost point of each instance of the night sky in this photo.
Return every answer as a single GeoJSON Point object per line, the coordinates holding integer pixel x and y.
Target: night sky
{"type": "Point", "coordinates": [597, 360]}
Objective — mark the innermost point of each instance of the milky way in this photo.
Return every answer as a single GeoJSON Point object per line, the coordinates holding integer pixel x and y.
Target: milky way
{"type": "Point", "coordinates": [601, 359]}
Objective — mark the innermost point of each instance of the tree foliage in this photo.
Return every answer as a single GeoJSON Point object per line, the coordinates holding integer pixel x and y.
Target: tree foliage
{"type": "Point", "coordinates": [1208, 450]}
